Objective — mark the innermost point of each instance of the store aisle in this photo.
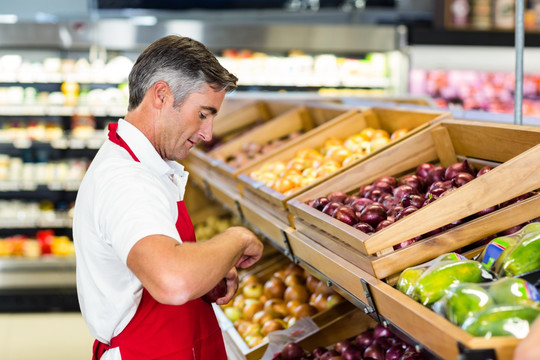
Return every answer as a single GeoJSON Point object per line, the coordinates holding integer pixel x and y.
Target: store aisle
{"type": "Point", "coordinates": [44, 336]}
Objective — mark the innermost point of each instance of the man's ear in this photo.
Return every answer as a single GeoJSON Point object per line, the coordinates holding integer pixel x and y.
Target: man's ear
{"type": "Point", "coordinates": [160, 90]}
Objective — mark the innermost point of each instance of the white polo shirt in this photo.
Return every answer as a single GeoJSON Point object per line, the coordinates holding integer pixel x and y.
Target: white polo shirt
{"type": "Point", "coordinates": [119, 202]}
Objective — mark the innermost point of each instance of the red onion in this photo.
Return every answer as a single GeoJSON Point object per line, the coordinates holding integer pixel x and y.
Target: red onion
{"type": "Point", "coordinates": [375, 352]}
{"type": "Point", "coordinates": [390, 202]}
{"type": "Point", "coordinates": [374, 194]}
{"type": "Point", "coordinates": [414, 200]}
{"type": "Point", "coordinates": [383, 341]}
{"type": "Point", "coordinates": [381, 331]}
{"type": "Point", "coordinates": [389, 179]}
{"type": "Point", "coordinates": [320, 202]}
{"type": "Point", "coordinates": [394, 211]}
{"type": "Point", "coordinates": [346, 214]}
{"type": "Point", "coordinates": [414, 181]}
{"type": "Point", "coordinates": [386, 222]}
{"type": "Point", "coordinates": [292, 351]}
{"type": "Point", "coordinates": [461, 179]}
{"type": "Point", "coordinates": [329, 355]}
{"type": "Point", "coordinates": [454, 169]}
{"type": "Point", "coordinates": [383, 185]}
{"type": "Point", "coordinates": [406, 243]}
{"type": "Point", "coordinates": [350, 199]}
{"type": "Point", "coordinates": [331, 207]}
{"type": "Point", "coordinates": [403, 190]}
{"type": "Point", "coordinates": [405, 212]}
{"type": "Point", "coordinates": [363, 190]}
{"type": "Point", "coordinates": [319, 351]}
{"type": "Point", "coordinates": [394, 352]}
{"type": "Point", "coordinates": [352, 352]}
{"type": "Point", "coordinates": [411, 355]}
{"type": "Point", "coordinates": [517, 199]}
{"type": "Point", "coordinates": [341, 345]}
{"type": "Point", "coordinates": [435, 174]}
{"type": "Point", "coordinates": [360, 203]}
{"type": "Point", "coordinates": [337, 196]}
{"type": "Point", "coordinates": [372, 214]}
{"type": "Point", "coordinates": [364, 339]}
{"type": "Point", "coordinates": [423, 170]}
{"type": "Point", "coordinates": [364, 227]}
{"type": "Point", "coordinates": [484, 170]}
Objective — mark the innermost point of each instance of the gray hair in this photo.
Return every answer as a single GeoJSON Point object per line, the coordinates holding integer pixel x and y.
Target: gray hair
{"type": "Point", "coordinates": [185, 64]}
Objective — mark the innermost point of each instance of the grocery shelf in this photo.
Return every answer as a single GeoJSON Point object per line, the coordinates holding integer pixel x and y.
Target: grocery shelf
{"type": "Point", "coordinates": [39, 273]}
{"type": "Point", "coordinates": [434, 36]}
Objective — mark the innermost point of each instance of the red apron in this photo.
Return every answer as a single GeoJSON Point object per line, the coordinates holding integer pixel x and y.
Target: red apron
{"type": "Point", "coordinates": [167, 332]}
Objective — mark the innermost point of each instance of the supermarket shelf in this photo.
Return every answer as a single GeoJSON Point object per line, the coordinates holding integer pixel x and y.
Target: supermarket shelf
{"type": "Point", "coordinates": [33, 186]}
{"type": "Point", "coordinates": [41, 273]}
{"type": "Point", "coordinates": [61, 110]}
{"type": "Point", "coordinates": [57, 220]}
{"type": "Point", "coordinates": [429, 36]}
{"type": "Point", "coordinates": [62, 143]}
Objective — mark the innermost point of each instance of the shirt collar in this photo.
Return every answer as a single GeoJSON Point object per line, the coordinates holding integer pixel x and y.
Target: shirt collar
{"type": "Point", "coordinates": [146, 153]}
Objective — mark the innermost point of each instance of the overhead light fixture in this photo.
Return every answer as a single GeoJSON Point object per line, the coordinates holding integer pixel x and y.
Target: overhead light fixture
{"type": "Point", "coordinates": [8, 18]}
{"type": "Point", "coordinates": [144, 20]}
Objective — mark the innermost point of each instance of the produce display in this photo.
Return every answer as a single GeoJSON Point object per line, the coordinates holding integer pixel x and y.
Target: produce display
{"type": "Point", "coordinates": [45, 243]}
{"type": "Point", "coordinates": [254, 150]}
{"type": "Point", "coordinates": [264, 304]}
{"type": "Point", "coordinates": [378, 343]}
{"type": "Point", "coordinates": [213, 225]}
{"type": "Point", "coordinates": [310, 164]}
{"type": "Point", "coordinates": [388, 199]}
{"type": "Point", "coordinates": [485, 297]}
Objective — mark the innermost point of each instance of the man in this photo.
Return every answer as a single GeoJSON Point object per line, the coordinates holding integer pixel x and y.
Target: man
{"type": "Point", "coordinates": [140, 274]}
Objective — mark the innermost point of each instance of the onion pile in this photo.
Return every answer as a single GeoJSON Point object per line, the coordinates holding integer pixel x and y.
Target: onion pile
{"type": "Point", "coordinates": [389, 199]}
{"type": "Point", "coordinates": [378, 343]}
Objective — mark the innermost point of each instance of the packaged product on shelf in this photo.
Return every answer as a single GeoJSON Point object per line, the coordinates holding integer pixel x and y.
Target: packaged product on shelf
{"type": "Point", "coordinates": [504, 307]}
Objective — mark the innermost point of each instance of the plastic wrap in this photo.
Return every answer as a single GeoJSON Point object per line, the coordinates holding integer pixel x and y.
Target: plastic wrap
{"type": "Point", "coordinates": [429, 282]}
{"type": "Point", "coordinates": [514, 254]}
{"type": "Point", "coordinates": [504, 307]}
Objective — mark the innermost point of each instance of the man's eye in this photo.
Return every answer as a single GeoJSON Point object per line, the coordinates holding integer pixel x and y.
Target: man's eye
{"type": "Point", "coordinates": [202, 116]}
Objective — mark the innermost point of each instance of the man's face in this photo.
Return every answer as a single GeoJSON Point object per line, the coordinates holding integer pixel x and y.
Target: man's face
{"type": "Point", "coordinates": [182, 128]}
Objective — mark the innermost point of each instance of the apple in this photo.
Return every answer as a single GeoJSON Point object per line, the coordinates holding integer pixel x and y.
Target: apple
{"type": "Point", "coordinates": [239, 301]}
{"type": "Point", "coordinates": [253, 290]}
{"type": "Point", "coordinates": [292, 351]}
{"type": "Point", "coordinates": [293, 304]}
{"type": "Point", "coordinates": [262, 316]}
{"type": "Point", "coordinates": [277, 306]}
{"type": "Point", "coordinates": [323, 288]}
{"type": "Point", "coordinates": [233, 313]}
{"type": "Point", "coordinates": [219, 291]}
{"type": "Point", "coordinates": [320, 301]}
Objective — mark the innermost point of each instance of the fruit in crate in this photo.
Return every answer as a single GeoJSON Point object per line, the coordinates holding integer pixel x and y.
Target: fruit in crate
{"type": "Point", "coordinates": [502, 320]}
{"type": "Point", "coordinates": [466, 300]}
{"type": "Point", "coordinates": [374, 343]}
{"type": "Point", "coordinates": [214, 225]}
{"type": "Point", "coordinates": [309, 164]}
{"type": "Point", "coordinates": [524, 255]}
{"type": "Point", "coordinates": [514, 291]}
{"type": "Point", "coordinates": [271, 302]}
{"type": "Point", "coordinates": [250, 151]}
{"type": "Point", "coordinates": [389, 199]}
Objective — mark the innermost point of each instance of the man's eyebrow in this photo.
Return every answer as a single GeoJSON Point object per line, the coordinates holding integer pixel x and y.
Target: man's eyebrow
{"type": "Point", "coordinates": [212, 109]}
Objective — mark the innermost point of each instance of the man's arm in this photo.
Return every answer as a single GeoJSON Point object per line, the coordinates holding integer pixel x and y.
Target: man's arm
{"type": "Point", "coordinates": [176, 273]}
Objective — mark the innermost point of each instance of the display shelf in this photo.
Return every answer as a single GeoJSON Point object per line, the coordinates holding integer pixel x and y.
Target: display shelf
{"type": "Point", "coordinates": [62, 110]}
{"type": "Point", "coordinates": [434, 36]}
{"type": "Point", "coordinates": [36, 187]}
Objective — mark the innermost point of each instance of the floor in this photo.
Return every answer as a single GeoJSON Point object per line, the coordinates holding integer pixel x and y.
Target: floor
{"type": "Point", "coordinates": [44, 336]}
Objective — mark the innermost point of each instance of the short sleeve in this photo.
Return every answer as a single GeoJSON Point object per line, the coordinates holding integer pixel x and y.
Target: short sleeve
{"type": "Point", "coordinates": [131, 204]}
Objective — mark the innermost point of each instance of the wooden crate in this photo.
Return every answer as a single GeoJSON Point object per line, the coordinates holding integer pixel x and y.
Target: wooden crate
{"type": "Point", "coordinates": [221, 179]}
{"type": "Point", "coordinates": [235, 343]}
{"type": "Point", "coordinates": [438, 335]}
{"type": "Point", "coordinates": [233, 122]}
{"type": "Point", "coordinates": [389, 119]}
{"type": "Point", "coordinates": [514, 147]}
